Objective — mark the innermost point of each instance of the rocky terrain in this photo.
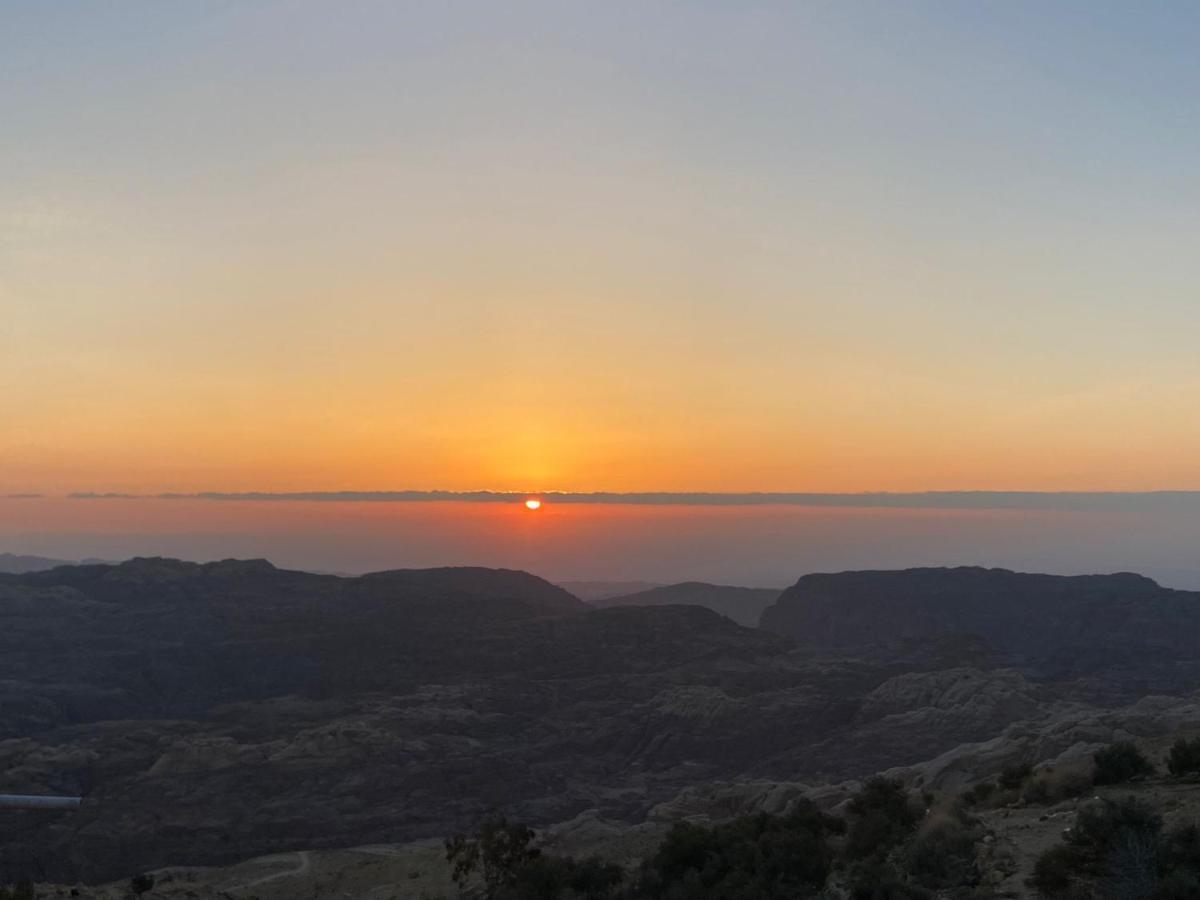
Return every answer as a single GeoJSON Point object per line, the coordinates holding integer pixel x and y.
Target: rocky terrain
{"type": "Point", "coordinates": [1014, 834]}
{"type": "Point", "coordinates": [214, 713]}
{"type": "Point", "coordinates": [743, 605]}
{"type": "Point", "coordinates": [1123, 633]}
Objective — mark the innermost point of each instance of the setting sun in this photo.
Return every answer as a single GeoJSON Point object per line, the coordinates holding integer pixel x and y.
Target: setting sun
{"type": "Point", "coordinates": [533, 504]}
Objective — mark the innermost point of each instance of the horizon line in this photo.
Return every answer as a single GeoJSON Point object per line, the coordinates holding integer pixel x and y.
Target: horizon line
{"type": "Point", "coordinates": [959, 499]}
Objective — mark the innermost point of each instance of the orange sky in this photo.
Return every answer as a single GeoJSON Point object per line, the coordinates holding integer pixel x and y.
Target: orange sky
{"type": "Point", "coordinates": [712, 247]}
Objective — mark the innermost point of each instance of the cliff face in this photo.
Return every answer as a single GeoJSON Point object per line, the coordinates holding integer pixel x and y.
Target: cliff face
{"type": "Point", "coordinates": [1112, 627]}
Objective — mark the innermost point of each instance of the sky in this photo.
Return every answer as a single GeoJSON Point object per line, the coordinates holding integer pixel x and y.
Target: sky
{"type": "Point", "coordinates": [621, 246]}
{"type": "Point", "coordinates": [760, 545]}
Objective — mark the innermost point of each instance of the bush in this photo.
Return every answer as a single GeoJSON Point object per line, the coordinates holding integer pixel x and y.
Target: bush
{"type": "Point", "coordinates": [553, 877]}
{"type": "Point", "coordinates": [1071, 783]}
{"type": "Point", "coordinates": [979, 794]}
{"type": "Point", "coordinates": [1100, 827]}
{"type": "Point", "coordinates": [1056, 786]}
{"type": "Point", "coordinates": [761, 856]}
{"type": "Point", "coordinates": [1037, 793]}
{"type": "Point", "coordinates": [943, 855]}
{"type": "Point", "coordinates": [1179, 849]}
{"type": "Point", "coordinates": [1013, 776]}
{"type": "Point", "coordinates": [501, 854]}
{"type": "Point", "coordinates": [1055, 871]}
{"type": "Point", "coordinates": [498, 853]}
{"type": "Point", "coordinates": [1117, 841]}
{"type": "Point", "coordinates": [1184, 758]}
{"type": "Point", "coordinates": [1131, 869]}
{"type": "Point", "coordinates": [882, 818]}
{"type": "Point", "coordinates": [1119, 763]}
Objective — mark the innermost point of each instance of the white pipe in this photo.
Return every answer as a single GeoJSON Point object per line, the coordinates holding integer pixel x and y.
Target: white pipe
{"type": "Point", "coordinates": [25, 801]}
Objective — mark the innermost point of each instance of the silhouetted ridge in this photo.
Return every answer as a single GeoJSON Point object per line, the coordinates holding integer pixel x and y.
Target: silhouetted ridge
{"type": "Point", "coordinates": [1052, 625]}
{"type": "Point", "coordinates": [743, 605]}
{"type": "Point", "coordinates": [17, 564]}
{"type": "Point", "coordinates": [472, 581]}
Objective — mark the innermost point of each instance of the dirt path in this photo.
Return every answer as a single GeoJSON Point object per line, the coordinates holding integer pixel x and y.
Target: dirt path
{"type": "Point", "coordinates": [303, 864]}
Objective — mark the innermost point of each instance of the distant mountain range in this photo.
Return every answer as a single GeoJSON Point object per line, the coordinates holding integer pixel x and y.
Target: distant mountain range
{"type": "Point", "coordinates": [14, 564]}
{"type": "Point", "coordinates": [743, 605]}
{"type": "Point", "coordinates": [593, 591]}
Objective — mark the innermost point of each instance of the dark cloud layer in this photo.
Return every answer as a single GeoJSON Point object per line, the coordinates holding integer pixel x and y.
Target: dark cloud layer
{"type": "Point", "coordinates": [1153, 500]}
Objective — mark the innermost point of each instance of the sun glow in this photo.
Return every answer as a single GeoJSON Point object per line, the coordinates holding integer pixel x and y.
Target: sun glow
{"type": "Point", "coordinates": [532, 503]}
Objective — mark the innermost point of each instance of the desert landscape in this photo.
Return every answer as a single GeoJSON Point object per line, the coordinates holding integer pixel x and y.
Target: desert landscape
{"type": "Point", "coordinates": [273, 731]}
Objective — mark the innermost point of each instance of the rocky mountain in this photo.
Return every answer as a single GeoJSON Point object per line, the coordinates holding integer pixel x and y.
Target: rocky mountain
{"type": "Point", "coordinates": [16, 564]}
{"type": "Point", "coordinates": [743, 605]}
{"type": "Point", "coordinates": [210, 713]}
{"type": "Point", "coordinates": [1123, 633]}
{"type": "Point", "coordinates": [19, 564]}
{"type": "Point", "coordinates": [593, 591]}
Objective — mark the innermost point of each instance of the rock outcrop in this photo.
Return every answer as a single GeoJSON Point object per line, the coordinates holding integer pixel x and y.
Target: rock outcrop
{"type": "Point", "coordinates": [1124, 632]}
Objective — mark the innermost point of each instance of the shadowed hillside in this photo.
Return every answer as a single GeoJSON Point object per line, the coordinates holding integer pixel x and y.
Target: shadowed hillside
{"type": "Point", "coordinates": [1122, 631]}
{"type": "Point", "coordinates": [743, 605]}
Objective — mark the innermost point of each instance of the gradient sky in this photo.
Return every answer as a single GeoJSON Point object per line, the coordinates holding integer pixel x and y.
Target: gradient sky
{"type": "Point", "coordinates": [599, 246]}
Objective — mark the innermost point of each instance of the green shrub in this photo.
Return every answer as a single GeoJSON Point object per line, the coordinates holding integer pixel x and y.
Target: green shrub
{"type": "Point", "coordinates": [1071, 783]}
{"type": "Point", "coordinates": [1119, 763]}
{"type": "Point", "coordinates": [1013, 776]}
{"type": "Point", "coordinates": [881, 818]}
{"type": "Point", "coordinates": [1100, 827]}
{"type": "Point", "coordinates": [943, 855]}
{"type": "Point", "coordinates": [1184, 758]}
{"type": "Point", "coordinates": [497, 853]}
{"type": "Point", "coordinates": [554, 877]}
{"type": "Point", "coordinates": [1115, 843]}
{"type": "Point", "coordinates": [979, 794]}
{"type": "Point", "coordinates": [501, 855]}
{"type": "Point", "coordinates": [1037, 793]}
{"type": "Point", "coordinates": [1179, 849]}
{"type": "Point", "coordinates": [1056, 786]}
{"type": "Point", "coordinates": [759, 857]}
{"type": "Point", "coordinates": [1055, 871]}
{"type": "Point", "coordinates": [1131, 868]}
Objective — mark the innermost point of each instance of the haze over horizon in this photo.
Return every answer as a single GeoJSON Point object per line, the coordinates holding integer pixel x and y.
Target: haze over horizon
{"type": "Point", "coordinates": [766, 544]}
